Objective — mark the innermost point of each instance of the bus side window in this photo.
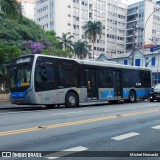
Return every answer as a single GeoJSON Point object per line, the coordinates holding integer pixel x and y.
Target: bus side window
{"type": "Point", "coordinates": [38, 74]}
{"type": "Point", "coordinates": [82, 75]}
{"type": "Point", "coordinates": [43, 74]}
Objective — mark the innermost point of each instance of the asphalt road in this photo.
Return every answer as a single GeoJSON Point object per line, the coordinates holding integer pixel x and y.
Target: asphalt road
{"type": "Point", "coordinates": [91, 129]}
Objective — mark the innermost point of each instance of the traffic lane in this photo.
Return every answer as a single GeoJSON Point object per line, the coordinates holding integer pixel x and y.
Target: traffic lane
{"type": "Point", "coordinates": [146, 139]}
{"type": "Point", "coordinates": [58, 139]}
{"type": "Point", "coordinates": [95, 139]}
{"type": "Point", "coordinates": [7, 106]}
{"type": "Point", "coordinates": [22, 120]}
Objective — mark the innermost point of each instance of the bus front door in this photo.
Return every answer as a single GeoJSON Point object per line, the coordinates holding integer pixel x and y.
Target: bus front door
{"type": "Point", "coordinates": [91, 81]}
{"type": "Point", "coordinates": [117, 84]}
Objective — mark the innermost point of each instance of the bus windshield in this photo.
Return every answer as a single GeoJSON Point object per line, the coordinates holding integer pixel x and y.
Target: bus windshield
{"type": "Point", "coordinates": [21, 75]}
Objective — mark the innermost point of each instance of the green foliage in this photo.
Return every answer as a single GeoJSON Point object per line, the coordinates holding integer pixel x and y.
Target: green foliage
{"type": "Point", "coordinates": [58, 52]}
{"type": "Point", "coordinates": [7, 55]}
{"type": "Point", "coordinates": [52, 39]}
{"type": "Point", "coordinates": [92, 30]}
{"type": "Point", "coordinates": [81, 49]}
{"type": "Point", "coordinates": [15, 32]}
{"type": "Point", "coordinates": [11, 9]}
{"type": "Point", "coordinates": [66, 41]}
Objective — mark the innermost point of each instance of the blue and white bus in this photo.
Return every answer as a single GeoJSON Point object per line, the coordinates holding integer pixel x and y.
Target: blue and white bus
{"type": "Point", "coordinates": [49, 80]}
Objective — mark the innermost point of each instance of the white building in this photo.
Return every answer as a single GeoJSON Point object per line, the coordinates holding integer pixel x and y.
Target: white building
{"type": "Point", "coordinates": [28, 7]}
{"type": "Point", "coordinates": [70, 16]}
{"type": "Point", "coordinates": [143, 24]}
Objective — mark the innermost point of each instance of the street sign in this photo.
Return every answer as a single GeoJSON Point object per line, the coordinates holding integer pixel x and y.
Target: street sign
{"type": "Point", "coordinates": [154, 48]}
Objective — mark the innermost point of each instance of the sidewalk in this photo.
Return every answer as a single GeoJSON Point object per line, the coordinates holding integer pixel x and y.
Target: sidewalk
{"type": "Point", "coordinates": [4, 97]}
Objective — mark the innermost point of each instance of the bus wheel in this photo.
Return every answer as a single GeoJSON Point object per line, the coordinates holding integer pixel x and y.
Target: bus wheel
{"type": "Point", "coordinates": [71, 100]}
{"type": "Point", "coordinates": [132, 97]}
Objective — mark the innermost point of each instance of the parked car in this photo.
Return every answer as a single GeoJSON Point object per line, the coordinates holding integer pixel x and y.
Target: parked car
{"type": "Point", "coordinates": [155, 93]}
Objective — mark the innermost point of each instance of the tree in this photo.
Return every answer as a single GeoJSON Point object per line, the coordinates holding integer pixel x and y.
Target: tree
{"type": "Point", "coordinates": [33, 47]}
{"type": "Point", "coordinates": [11, 8]}
{"type": "Point", "coordinates": [50, 41]}
{"type": "Point", "coordinates": [66, 41]}
{"type": "Point", "coordinates": [15, 32]}
{"type": "Point", "coordinates": [81, 49]}
{"type": "Point", "coordinates": [92, 30]}
{"type": "Point", "coordinates": [7, 55]}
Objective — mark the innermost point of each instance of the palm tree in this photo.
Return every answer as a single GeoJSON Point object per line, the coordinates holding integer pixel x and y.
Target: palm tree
{"type": "Point", "coordinates": [81, 49]}
{"type": "Point", "coordinates": [66, 41]}
{"type": "Point", "coordinates": [11, 8]}
{"type": "Point", "coordinates": [92, 30]}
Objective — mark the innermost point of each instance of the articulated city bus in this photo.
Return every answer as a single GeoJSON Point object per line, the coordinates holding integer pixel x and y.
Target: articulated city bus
{"type": "Point", "coordinates": [49, 80]}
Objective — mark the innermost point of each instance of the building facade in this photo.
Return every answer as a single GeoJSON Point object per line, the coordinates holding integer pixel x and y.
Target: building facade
{"type": "Point", "coordinates": [28, 8]}
{"type": "Point", "coordinates": [70, 16]}
{"type": "Point", "coordinates": [143, 24]}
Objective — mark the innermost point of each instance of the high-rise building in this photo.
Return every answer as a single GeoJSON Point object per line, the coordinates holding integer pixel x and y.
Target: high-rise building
{"type": "Point", "coordinates": [28, 7]}
{"type": "Point", "coordinates": [143, 24]}
{"type": "Point", "coordinates": [70, 16]}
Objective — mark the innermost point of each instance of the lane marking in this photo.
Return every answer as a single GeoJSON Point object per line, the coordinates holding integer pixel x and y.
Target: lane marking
{"type": "Point", "coordinates": [67, 113]}
{"type": "Point", "coordinates": [156, 127]}
{"type": "Point", "coordinates": [5, 133]}
{"type": "Point", "coordinates": [65, 152]}
{"type": "Point", "coordinates": [124, 136]}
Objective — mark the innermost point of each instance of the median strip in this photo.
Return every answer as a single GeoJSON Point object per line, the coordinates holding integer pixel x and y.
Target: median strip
{"type": "Point", "coordinates": [39, 128]}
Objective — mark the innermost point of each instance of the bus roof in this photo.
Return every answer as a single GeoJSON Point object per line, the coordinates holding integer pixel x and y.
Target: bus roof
{"type": "Point", "coordinates": [91, 62]}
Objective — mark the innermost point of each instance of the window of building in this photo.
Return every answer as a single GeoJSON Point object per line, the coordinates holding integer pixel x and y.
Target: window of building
{"type": "Point", "coordinates": [137, 62]}
{"type": "Point", "coordinates": [125, 62]}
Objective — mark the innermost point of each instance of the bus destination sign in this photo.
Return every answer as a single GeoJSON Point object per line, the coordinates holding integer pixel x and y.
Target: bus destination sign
{"type": "Point", "coordinates": [23, 60]}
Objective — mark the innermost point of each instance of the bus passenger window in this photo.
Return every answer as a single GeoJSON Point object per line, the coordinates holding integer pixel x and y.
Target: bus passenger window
{"type": "Point", "coordinates": [38, 74]}
{"type": "Point", "coordinates": [43, 74]}
{"type": "Point", "coordinates": [50, 74]}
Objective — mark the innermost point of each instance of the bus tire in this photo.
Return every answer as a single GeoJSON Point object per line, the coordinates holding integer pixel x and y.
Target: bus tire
{"type": "Point", "coordinates": [71, 100]}
{"type": "Point", "coordinates": [132, 97]}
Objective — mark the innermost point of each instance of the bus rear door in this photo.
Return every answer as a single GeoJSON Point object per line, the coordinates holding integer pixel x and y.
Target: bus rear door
{"type": "Point", "coordinates": [117, 84]}
{"type": "Point", "coordinates": [91, 79]}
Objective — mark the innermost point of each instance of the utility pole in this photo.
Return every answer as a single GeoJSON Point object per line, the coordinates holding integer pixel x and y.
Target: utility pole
{"type": "Point", "coordinates": [135, 29]}
{"type": "Point", "coordinates": [134, 45]}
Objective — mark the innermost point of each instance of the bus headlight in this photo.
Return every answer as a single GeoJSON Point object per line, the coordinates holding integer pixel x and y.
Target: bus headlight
{"type": "Point", "coordinates": [28, 93]}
